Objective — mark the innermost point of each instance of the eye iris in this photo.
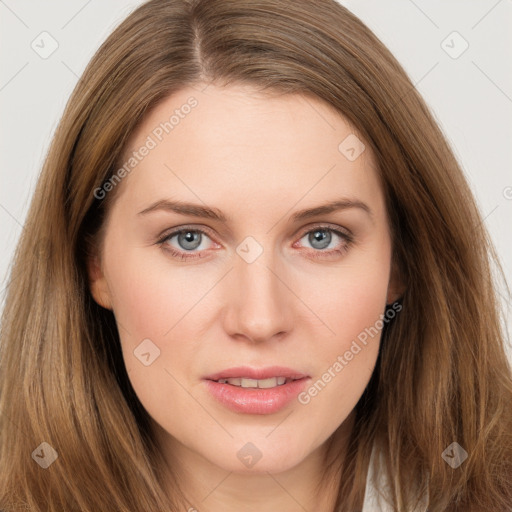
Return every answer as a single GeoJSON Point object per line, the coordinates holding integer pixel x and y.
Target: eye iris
{"type": "Point", "coordinates": [188, 240]}
{"type": "Point", "coordinates": [320, 235]}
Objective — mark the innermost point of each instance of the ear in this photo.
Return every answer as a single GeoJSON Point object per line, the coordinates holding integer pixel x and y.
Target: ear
{"type": "Point", "coordinates": [97, 282]}
{"type": "Point", "coordinates": [396, 286]}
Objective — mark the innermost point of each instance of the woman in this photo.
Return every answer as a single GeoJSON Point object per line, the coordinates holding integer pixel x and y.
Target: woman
{"type": "Point", "coordinates": [253, 276]}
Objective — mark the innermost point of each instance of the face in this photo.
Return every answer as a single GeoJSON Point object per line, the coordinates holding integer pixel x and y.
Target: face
{"type": "Point", "coordinates": [217, 255]}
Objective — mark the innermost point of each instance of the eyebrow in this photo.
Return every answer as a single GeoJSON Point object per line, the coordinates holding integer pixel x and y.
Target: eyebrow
{"type": "Point", "coordinates": [196, 210]}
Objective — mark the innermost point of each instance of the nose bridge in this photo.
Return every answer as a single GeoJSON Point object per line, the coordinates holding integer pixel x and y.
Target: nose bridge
{"type": "Point", "coordinates": [259, 302]}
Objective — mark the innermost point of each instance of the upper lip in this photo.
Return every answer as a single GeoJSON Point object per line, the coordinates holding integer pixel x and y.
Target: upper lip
{"type": "Point", "coordinates": [257, 373]}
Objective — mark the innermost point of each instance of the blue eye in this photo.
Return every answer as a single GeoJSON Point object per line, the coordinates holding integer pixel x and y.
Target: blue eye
{"type": "Point", "coordinates": [187, 239]}
{"type": "Point", "coordinates": [320, 239]}
{"type": "Point", "coordinates": [189, 242]}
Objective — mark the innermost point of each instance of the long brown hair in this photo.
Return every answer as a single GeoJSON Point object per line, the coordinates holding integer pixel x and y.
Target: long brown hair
{"type": "Point", "coordinates": [442, 375]}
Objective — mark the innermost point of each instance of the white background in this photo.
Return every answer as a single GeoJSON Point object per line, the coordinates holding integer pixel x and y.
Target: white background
{"type": "Point", "coordinates": [471, 96]}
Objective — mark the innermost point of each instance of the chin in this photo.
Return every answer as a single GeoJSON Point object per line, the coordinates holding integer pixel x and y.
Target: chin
{"type": "Point", "coordinates": [262, 455]}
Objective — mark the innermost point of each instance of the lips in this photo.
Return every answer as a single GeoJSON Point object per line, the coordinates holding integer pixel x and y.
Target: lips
{"type": "Point", "coordinates": [256, 390]}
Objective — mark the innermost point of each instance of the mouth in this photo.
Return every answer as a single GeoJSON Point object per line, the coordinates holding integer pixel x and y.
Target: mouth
{"type": "Point", "coordinates": [265, 377]}
{"type": "Point", "coordinates": [256, 390]}
{"type": "Point", "coordinates": [246, 382]}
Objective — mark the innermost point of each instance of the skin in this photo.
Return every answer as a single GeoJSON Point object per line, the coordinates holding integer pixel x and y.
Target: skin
{"type": "Point", "coordinates": [258, 159]}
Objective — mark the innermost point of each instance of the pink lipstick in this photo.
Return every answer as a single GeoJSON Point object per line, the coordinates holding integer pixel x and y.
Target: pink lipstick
{"type": "Point", "coordinates": [256, 390]}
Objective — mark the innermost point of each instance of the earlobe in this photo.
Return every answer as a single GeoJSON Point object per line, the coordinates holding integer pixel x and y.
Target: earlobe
{"type": "Point", "coordinates": [396, 286]}
{"type": "Point", "coordinates": [393, 296]}
{"type": "Point", "coordinates": [97, 283]}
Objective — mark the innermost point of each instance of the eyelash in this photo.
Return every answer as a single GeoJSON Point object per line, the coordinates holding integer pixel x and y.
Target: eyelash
{"type": "Point", "coordinates": [317, 253]}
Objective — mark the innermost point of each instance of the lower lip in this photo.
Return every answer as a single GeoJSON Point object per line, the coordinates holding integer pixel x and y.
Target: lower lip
{"type": "Point", "coordinates": [256, 401]}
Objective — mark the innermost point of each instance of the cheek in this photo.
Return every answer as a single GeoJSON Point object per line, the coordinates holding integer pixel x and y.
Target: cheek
{"type": "Point", "coordinates": [349, 299]}
{"type": "Point", "coordinates": [359, 304]}
{"type": "Point", "coordinates": [156, 303]}
{"type": "Point", "coordinates": [346, 354]}
{"type": "Point", "coordinates": [150, 295]}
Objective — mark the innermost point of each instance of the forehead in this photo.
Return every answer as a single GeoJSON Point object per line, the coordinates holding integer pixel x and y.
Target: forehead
{"type": "Point", "coordinates": [238, 145]}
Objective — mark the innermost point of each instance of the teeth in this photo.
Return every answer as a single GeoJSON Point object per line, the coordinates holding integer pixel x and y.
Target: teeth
{"type": "Point", "coordinates": [248, 383]}
{"type": "Point", "coordinates": [272, 382]}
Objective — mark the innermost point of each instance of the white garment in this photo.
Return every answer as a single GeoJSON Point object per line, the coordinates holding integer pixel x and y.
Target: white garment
{"type": "Point", "coordinates": [373, 500]}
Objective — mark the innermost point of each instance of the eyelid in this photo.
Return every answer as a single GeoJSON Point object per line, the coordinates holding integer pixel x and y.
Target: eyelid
{"type": "Point", "coordinates": [340, 231]}
{"type": "Point", "coordinates": [175, 231]}
{"type": "Point", "coordinates": [303, 231]}
{"type": "Point", "coordinates": [327, 226]}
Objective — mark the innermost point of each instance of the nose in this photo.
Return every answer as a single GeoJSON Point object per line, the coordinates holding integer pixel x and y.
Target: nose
{"type": "Point", "coordinates": [259, 303]}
